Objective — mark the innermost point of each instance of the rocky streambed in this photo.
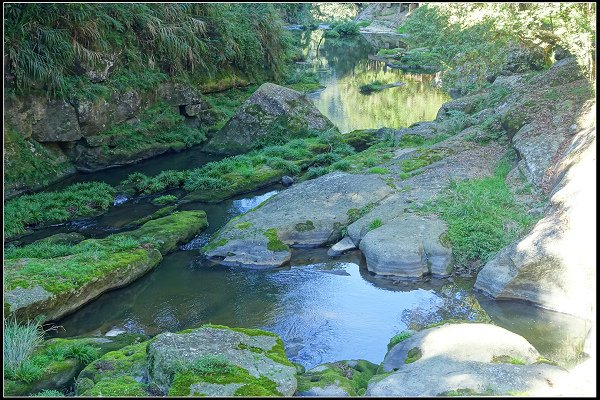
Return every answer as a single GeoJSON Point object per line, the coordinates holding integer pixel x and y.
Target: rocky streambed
{"type": "Point", "coordinates": [304, 281]}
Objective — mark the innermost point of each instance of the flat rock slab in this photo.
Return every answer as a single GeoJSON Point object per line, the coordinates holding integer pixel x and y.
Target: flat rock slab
{"type": "Point", "coordinates": [440, 376]}
{"type": "Point", "coordinates": [409, 246]}
{"type": "Point", "coordinates": [309, 214]}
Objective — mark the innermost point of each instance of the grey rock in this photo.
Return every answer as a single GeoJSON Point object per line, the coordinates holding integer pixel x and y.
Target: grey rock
{"type": "Point", "coordinates": [408, 246]}
{"type": "Point", "coordinates": [554, 266]}
{"type": "Point", "coordinates": [309, 214]}
{"type": "Point", "coordinates": [466, 104]}
{"type": "Point", "coordinates": [446, 375]}
{"type": "Point", "coordinates": [178, 94]}
{"type": "Point", "coordinates": [271, 105]}
{"type": "Point", "coordinates": [344, 245]}
{"type": "Point", "coordinates": [327, 391]}
{"type": "Point", "coordinates": [99, 115]}
{"type": "Point", "coordinates": [468, 358]}
{"type": "Point", "coordinates": [462, 342]}
{"type": "Point", "coordinates": [287, 180]}
{"type": "Point", "coordinates": [168, 350]}
{"type": "Point", "coordinates": [54, 121]}
{"type": "Point", "coordinates": [427, 130]}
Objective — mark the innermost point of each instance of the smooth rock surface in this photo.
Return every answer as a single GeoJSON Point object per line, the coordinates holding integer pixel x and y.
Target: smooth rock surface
{"type": "Point", "coordinates": [408, 246]}
{"type": "Point", "coordinates": [344, 245]}
{"type": "Point", "coordinates": [309, 214]}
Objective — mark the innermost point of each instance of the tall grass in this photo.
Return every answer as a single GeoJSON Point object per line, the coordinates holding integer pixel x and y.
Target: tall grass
{"type": "Point", "coordinates": [20, 341]}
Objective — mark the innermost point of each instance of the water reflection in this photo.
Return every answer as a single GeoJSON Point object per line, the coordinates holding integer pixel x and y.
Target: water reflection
{"type": "Point", "coordinates": [344, 65]}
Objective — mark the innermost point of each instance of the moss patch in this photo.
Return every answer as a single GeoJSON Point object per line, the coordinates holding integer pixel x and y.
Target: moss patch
{"type": "Point", "coordinates": [275, 244]}
{"type": "Point", "coordinates": [413, 355]}
{"type": "Point", "coordinates": [305, 226]}
{"type": "Point", "coordinates": [353, 379]}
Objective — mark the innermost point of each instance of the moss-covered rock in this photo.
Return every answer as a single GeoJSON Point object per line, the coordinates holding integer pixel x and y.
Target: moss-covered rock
{"type": "Point", "coordinates": [117, 373]}
{"type": "Point", "coordinates": [57, 362]}
{"type": "Point", "coordinates": [53, 287]}
{"type": "Point", "coordinates": [217, 360]}
{"type": "Point", "coordinates": [272, 115]}
{"type": "Point", "coordinates": [212, 360]}
{"type": "Point", "coordinates": [172, 230]}
{"type": "Point", "coordinates": [341, 378]}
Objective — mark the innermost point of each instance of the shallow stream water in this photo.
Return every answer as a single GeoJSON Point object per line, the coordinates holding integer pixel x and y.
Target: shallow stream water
{"type": "Point", "coordinates": [324, 309]}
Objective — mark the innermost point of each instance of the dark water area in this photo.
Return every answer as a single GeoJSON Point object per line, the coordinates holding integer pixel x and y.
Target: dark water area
{"type": "Point", "coordinates": [325, 309]}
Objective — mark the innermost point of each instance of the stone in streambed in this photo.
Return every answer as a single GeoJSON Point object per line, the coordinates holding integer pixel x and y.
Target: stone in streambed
{"type": "Point", "coordinates": [344, 245]}
{"type": "Point", "coordinates": [309, 214]}
{"type": "Point", "coordinates": [409, 246]}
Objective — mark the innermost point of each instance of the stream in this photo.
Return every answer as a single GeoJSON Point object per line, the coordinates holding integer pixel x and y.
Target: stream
{"type": "Point", "coordinates": [325, 309]}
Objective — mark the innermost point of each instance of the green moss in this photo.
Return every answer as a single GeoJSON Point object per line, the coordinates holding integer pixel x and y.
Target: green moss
{"type": "Point", "coordinates": [213, 245]}
{"type": "Point", "coordinates": [398, 338]}
{"type": "Point", "coordinates": [356, 213]}
{"type": "Point", "coordinates": [163, 212]}
{"type": "Point", "coordinates": [164, 199]}
{"type": "Point", "coordinates": [506, 359]}
{"type": "Point", "coordinates": [171, 230]}
{"type": "Point", "coordinates": [114, 373]}
{"type": "Point", "coordinates": [379, 170]}
{"type": "Point", "coordinates": [29, 164]}
{"type": "Point", "coordinates": [413, 355]}
{"type": "Point", "coordinates": [118, 387]}
{"type": "Point", "coordinates": [376, 223]}
{"type": "Point", "coordinates": [305, 226]}
{"type": "Point", "coordinates": [424, 158]}
{"type": "Point", "coordinates": [243, 225]}
{"type": "Point", "coordinates": [353, 380]}
{"type": "Point", "coordinates": [275, 244]}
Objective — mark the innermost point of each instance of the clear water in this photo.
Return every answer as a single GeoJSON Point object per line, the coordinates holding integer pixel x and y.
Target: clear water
{"type": "Point", "coordinates": [325, 309]}
{"type": "Point", "coordinates": [344, 65]}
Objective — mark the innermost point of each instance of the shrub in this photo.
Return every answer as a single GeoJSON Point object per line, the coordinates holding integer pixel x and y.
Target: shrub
{"type": "Point", "coordinates": [376, 223]}
{"type": "Point", "coordinates": [315, 172]}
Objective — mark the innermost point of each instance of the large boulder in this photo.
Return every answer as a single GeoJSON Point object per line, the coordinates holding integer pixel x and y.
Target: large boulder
{"type": "Point", "coordinates": [464, 359]}
{"type": "Point", "coordinates": [410, 247]}
{"type": "Point", "coordinates": [212, 360]}
{"type": "Point", "coordinates": [309, 214]}
{"type": "Point", "coordinates": [555, 264]}
{"type": "Point", "coordinates": [54, 121]}
{"type": "Point", "coordinates": [273, 112]}
{"type": "Point", "coordinates": [219, 361]}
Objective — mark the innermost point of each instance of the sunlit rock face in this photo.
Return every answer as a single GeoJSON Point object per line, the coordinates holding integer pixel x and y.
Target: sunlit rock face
{"type": "Point", "coordinates": [554, 265]}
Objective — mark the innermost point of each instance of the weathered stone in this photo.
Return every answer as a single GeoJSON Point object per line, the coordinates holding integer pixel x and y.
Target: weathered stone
{"type": "Point", "coordinates": [309, 214]}
{"type": "Point", "coordinates": [344, 245]}
{"type": "Point", "coordinates": [178, 94]}
{"type": "Point", "coordinates": [464, 359]}
{"type": "Point", "coordinates": [340, 378]}
{"type": "Point", "coordinates": [287, 180]}
{"type": "Point", "coordinates": [54, 121]}
{"type": "Point", "coordinates": [271, 109]}
{"type": "Point", "coordinates": [467, 105]}
{"type": "Point", "coordinates": [523, 58]}
{"type": "Point", "coordinates": [409, 246]}
{"type": "Point", "coordinates": [462, 342]}
{"type": "Point", "coordinates": [258, 353]}
{"type": "Point", "coordinates": [427, 130]}
{"type": "Point", "coordinates": [555, 264]}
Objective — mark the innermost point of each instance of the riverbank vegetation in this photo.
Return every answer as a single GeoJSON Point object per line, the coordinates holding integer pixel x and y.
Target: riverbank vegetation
{"type": "Point", "coordinates": [464, 34]}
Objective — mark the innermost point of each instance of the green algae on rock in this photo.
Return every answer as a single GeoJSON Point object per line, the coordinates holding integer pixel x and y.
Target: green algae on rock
{"type": "Point", "coordinates": [341, 378]}
{"type": "Point", "coordinates": [56, 286]}
{"type": "Point", "coordinates": [212, 360]}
